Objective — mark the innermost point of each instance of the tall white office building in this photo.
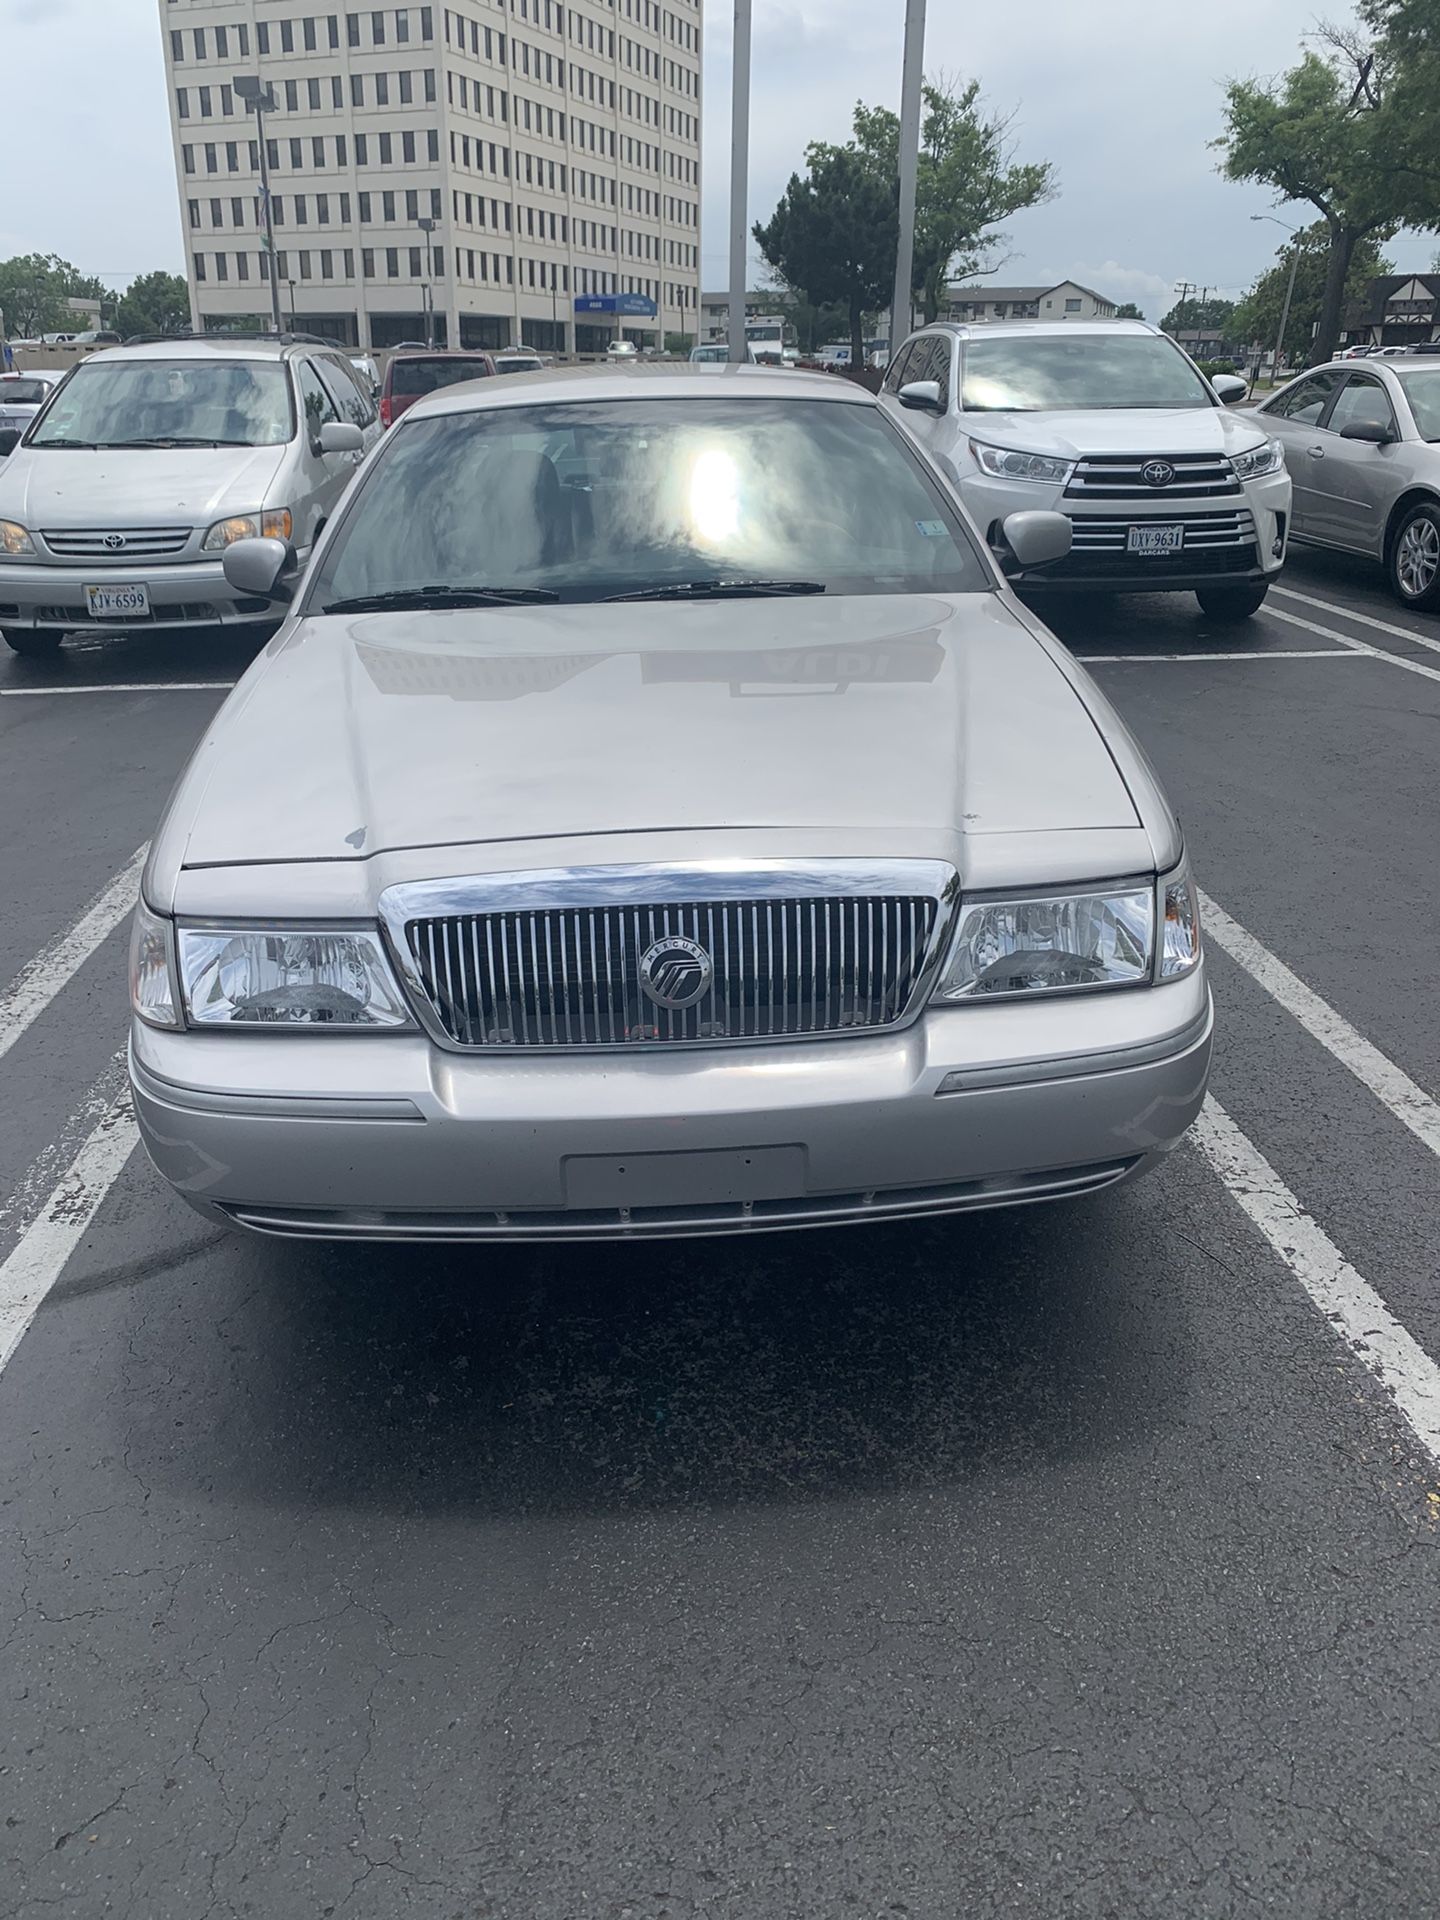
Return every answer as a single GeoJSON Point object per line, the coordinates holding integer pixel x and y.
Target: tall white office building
{"type": "Point", "coordinates": [550, 147]}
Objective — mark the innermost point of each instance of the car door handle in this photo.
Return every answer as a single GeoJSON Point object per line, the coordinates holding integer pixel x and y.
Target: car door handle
{"type": "Point", "coordinates": [1317, 453]}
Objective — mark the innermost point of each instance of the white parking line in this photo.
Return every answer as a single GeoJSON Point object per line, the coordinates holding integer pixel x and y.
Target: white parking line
{"type": "Point", "coordinates": [1410, 1104]}
{"type": "Point", "coordinates": [1202, 659]}
{"type": "Point", "coordinates": [1355, 646]}
{"type": "Point", "coordinates": [38, 983]}
{"type": "Point", "coordinates": [122, 686]}
{"type": "Point", "coordinates": [1353, 1308]}
{"type": "Point", "coordinates": [38, 1257]}
{"type": "Point", "coordinates": [1365, 619]}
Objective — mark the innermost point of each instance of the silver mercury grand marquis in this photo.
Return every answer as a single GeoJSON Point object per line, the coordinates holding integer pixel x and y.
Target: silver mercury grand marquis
{"type": "Point", "coordinates": [658, 815]}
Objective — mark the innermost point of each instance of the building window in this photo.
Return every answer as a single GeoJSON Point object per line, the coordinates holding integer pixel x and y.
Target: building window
{"type": "Point", "coordinates": [432, 145]}
{"type": "Point", "coordinates": [327, 265]}
{"type": "Point", "coordinates": [212, 162]}
{"type": "Point", "coordinates": [387, 150]}
{"type": "Point", "coordinates": [177, 45]}
{"type": "Point", "coordinates": [412, 204]}
{"type": "Point", "coordinates": [387, 205]}
{"type": "Point", "coordinates": [193, 208]}
{"type": "Point", "coordinates": [407, 88]}
{"type": "Point", "coordinates": [302, 211]}
{"type": "Point", "coordinates": [199, 38]}
{"type": "Point", "coordinates": [317, 149]}
{"type": "Point", "coordinates": [352, 29]}
{"type": "Point", "coordinates": [367, 262]}
{"type": "Point", "coordinates": [415, 267]}
{"type": "Point", "coordinates": [407, 148]}
{"type": "Point", "coordinates": [292, 96]}
{"type": "Point", "coordinates": [297, 154]}
{"type": "Point", "coordinates": [199, 260]}
{"type": "Point", "coordinates": [204, 103]}
{"type": "Point", "coordinates": [402, 25]}
{"type": "Point", "coordinates": [340, 159]}
{"type": "Point", "coordinates": [308, 33]}
{"type": "Point", "coordinates": [304, 265]}
{"type": "Point", "coordinates": [262, 36]}
{"type": "Point", "coordinates": [377, 29]}
{"type": "Point", "coordinates": [349, 263]}
{"type": "Point", "coordinates": [337, 91]}
{"type": "Point", "coordinates": [222, 43]}
{"type": "Point", "coordinates": [244, 33]}
{"type": "Point", "coordinates": [427, 23]}
{"type": "Point", "coordinates": [357, 89]}
{"type": "Point", "coordinates": [287, 36]}
{"type": "Point", "coordinates": [187, 159]}
{"type": "Point", "coordinates": [382, 89]}
{"type": "Point", "coordinates": [182, 102]}
{"type": "Point", "coordinates": [362, 150]}
{"type": "Point", "coordinates": [392, 263]}
{"type": "Point", "coordinates": [312, 95]}
{"type": "Point", "coordinates": [364, 201]}
{"type": "Point", "coordinates": [277, 209]}
{"type": "Point", "coordinates": [237, 213]}
{"type": "Point", "coordinates": [435, 203]}
{"type": "Point", "coordinates": [344, 209]}
{"type": "Point", "coordinates": [1071, 306]}
{"type": "Point", "coordinates": [322, 209]}
{"type": "Point", "coordinates": [242, 266]}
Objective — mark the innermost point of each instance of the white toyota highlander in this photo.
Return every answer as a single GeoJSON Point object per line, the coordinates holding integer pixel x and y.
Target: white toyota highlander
{"type": "Point", "coordinates": [1110, 423]}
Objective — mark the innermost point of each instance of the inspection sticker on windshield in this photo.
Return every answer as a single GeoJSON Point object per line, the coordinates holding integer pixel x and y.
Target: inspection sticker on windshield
{"type": "Point", "coordinates": [933, 529]}
{"type": "Point", "coordinates": [118, 603]}
{"type": "Point", "coordinates": [1155, 540]}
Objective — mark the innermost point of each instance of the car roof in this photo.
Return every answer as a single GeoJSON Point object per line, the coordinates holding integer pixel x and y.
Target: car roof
{"type": "Point", "coordinates": [677, 380]}
{"type": "Point", "coordinates": [35, 373]}
{"type": "Point", "coordinates": [232, 347]}
{"type": "Point", "coordinates": [1030, 329]}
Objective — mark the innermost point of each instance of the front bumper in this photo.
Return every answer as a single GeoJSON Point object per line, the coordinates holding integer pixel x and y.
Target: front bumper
{"type": "Point", "coordinates": [1197, 564]}
{"type": "Point", "coordinates": [388, 1137]}
{"type": "Point", "coordinates": [195, 593]}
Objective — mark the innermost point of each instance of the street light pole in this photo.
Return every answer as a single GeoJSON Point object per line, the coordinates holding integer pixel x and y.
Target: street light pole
{"type": "Point", "coordinates": [427, 227]}
{"type": "Point", "coordinates": [739, 177]}
{"type": "Point", "coordinates": [1294, 233]}
{"type": "Point", "coordinates": [912, 79]}
{"type": "Point", "coordinates": [260, 100]}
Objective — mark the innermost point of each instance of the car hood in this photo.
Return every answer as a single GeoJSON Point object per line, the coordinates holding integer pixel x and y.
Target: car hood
{"type": "Point", "coordinates": [916, 719]}
{"type": "Point", "coordinates": [144, 486]}
{"type": "Point", "coordinates": [1139, 430]}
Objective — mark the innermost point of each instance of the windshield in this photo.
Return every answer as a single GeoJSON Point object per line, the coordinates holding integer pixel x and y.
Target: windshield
{"type": "Point", "coordinates": [514, 363]}
{"type": "Point", "coordinates": [1018, 375]}
{"type": "Point", "coordinates": [410, 378]}
{"type": "Point", "coordinates": [125, 403]}
{"type": "Point", "coordinates": [22, 393]}
{"type": "Point", "coordinates": [591, 500]}
{"type": "Point", "coordinates": [1422, 390]}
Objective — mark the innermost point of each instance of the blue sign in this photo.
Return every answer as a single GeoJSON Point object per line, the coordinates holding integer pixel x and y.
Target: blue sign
{"type": "Point", "coordinates": [639, 305]}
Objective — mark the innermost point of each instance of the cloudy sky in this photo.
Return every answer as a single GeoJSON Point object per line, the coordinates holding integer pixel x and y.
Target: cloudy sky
{"type": "Point", "coordinates": [1122, 95]}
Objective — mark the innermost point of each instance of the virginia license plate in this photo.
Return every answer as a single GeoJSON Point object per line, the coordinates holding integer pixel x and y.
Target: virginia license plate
{"type": "Point", "coordinates": [1155, 540]}
{"type": "Point", "coordinates": [118, 603]}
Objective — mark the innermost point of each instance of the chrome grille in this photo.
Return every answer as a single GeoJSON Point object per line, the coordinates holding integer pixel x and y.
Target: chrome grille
{"type": "Point", "coordinates": [570, 977]}
{"type": "Point", "coordinates": [138, 543]}
{"type": "Point", "coordinates": [1203, 531]}
{"type": "Point", "coordinates": [1112, 476]}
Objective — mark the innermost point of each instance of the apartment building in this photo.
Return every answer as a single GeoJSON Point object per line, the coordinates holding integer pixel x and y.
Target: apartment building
{"type": "Point", "coordinates": [496, 173]}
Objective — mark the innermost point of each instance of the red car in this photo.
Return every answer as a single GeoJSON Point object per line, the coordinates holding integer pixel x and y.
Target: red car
{"type": "Point", "coordinates": [410, 376]}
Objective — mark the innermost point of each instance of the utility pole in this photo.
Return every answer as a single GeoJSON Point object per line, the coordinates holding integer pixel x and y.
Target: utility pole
{"type": "Point", "coordinates": [912, 77]}
{"type": "Point", "coordinates": [260, 100]}
{"type": "Point", "coordinates": [1285, 308]}
{"type": "Point", "coordinates": [427, 227]}
{"type": "Point", "coordinates": [739, 177]}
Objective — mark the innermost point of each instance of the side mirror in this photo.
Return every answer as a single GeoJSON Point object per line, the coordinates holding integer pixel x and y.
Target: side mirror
{"type": "Point", "coordinates": [340, 436]}
{"type": "Point", "coordinates": [253, 567]}
{"type": "Point", "coordinates": [1037, 538]}
{"type": "Point", "coordinates": [922, 395]}
{"type": "Point", "coordinates": [1229, 388]}
{"type": "Point", "coordinates": [1370, 430]}
{"type": "Point", "coordinates": [9, 440]}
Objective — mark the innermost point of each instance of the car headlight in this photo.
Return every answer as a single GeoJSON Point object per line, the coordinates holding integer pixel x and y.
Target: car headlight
{"type": "Point", "coordinates": [14, 538]}
{"type": "Point", "coordinates": [1044, 943]}
{"type": "Point", "coordinates": [1008, 463]}
{"type": "Point", "coordinates": [1268, 457]}
{"type": "Point", "coordinates": [288, 977]}
{"type": "Point", "coordinates": [277, 524]}
{"type": "Point", "coordinates": [152, 970]}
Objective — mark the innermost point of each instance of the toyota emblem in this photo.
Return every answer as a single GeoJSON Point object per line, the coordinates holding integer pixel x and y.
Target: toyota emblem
{"type": "Point", "coordinates": [114, 541]}
{"type": "Point", "coordinates": [1157, 473]}
{"type": "Point", "coordinates": [675, 973]}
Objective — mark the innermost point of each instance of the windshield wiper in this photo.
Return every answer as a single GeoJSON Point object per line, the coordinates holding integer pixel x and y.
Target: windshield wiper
{"type": "Point", "coordinates": [89, 446]}
{"type": "Point", "coordinates": [720, 590]}
{"type": "Point", "coordinates": [169, 440]}
{"type": "Point", "coordinates": [423, 597]}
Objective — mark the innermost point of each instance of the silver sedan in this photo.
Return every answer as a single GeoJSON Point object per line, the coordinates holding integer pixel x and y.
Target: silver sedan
{"type": "Point", "coordinates": [658, 816]}
{"type": "Point", "coordinates": [1362, 443]}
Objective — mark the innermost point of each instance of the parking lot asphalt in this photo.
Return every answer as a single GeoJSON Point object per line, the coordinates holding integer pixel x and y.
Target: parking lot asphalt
{"type": "Point", "coordinates": [1076, 1561]}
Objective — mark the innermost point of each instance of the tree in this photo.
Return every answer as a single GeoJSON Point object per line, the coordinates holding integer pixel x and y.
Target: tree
{"type": "Point", "coordinates": [833, 236]}
{"type": "Point", "coordinates": [1195, 314]}
{"type": "Point", "coordinates": [33, 294]}
{"type": "Point", "coordinates": [1334, 131]}
{"type": "Point", "coordinates": [1257, 318]}
{"type": "Point", "coordinates": [967, 181]}
{"type": "Point", "coordinates": [1408, 33]}
{"type": "Point", "coordinates": [155, 303]}
{"type": "Point", "coordinates": [1129, 312]}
